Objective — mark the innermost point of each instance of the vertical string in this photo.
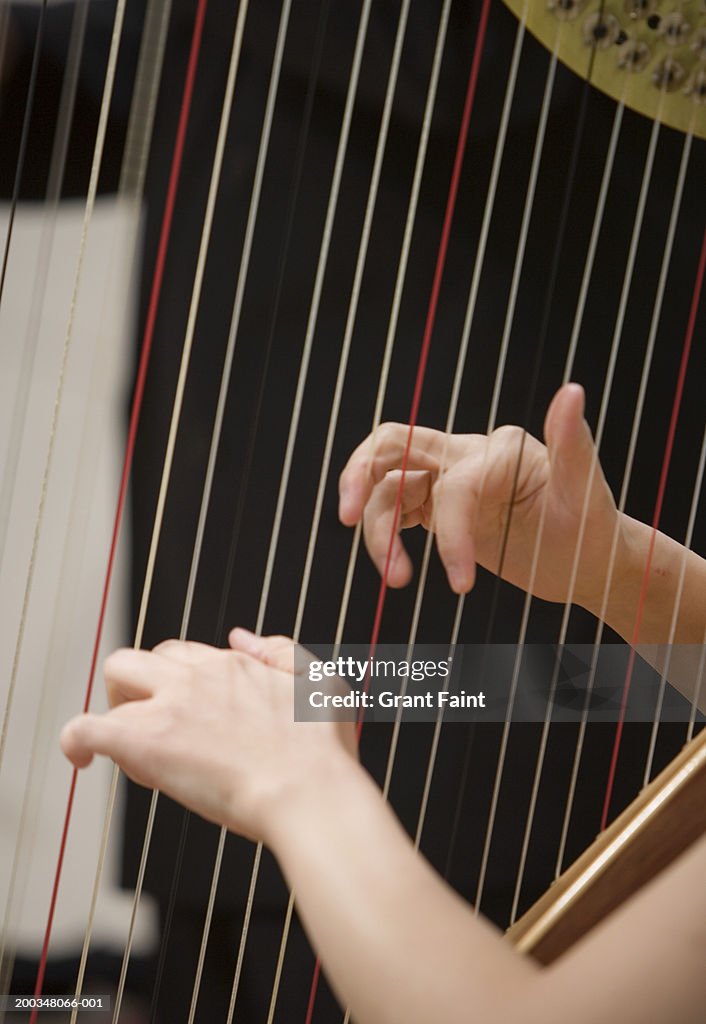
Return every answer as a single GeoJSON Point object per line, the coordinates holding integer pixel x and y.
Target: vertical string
{"type": "Point", "coordinates": [422, 364]}
{"type": "Point", "coordinates": [661, 491]}
{"type": "Point", "coordinates": [509, 319]}
{"type": "Point", "coordinates": [87, 461]}
{"type": "Point", "coordinates": [55, 181]}
{"type": "Point", "coordinates": [695, 499]}
{"type": "Point", "coordinates": [400, 280]}
{"type": "Point", "coordinates": [582, 527]}
{"type": "Point", "coordinates": [136, 405]}
{"type": "Point", "coordinates": [39, 519]}
{"type": "Point", "coordinates": [627, 476]}
{"type": "Point", "coordinates": [24, 139]}
{"type": "Point", "coordinates": [451, 417]}
{"type": "Point", "coordinates": [617, 335]}
{"type": "Point", "coordinates": [173, 428]}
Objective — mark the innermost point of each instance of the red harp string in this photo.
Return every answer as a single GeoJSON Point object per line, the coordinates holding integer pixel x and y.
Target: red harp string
{"type": "Point", "coordinates": [136, 407]}
{"type": "Point", "coordinates": [421, 367]}
{"type": "Point", "coordinates": [659, 501]}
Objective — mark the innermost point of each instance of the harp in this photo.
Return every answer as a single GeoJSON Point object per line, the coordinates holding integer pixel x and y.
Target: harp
{"type": "Point", "coordinates": [382, 164]}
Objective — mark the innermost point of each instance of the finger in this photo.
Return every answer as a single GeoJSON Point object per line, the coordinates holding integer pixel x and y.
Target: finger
{"type": "Point", "coordinates": [380, 529]}
{"type": "Point", "coordinates": [380, 453]}
{"type": "Point", "coordinates": [572, 452]}
{"type": "Point", "coordinates": [186, 651]}
{"type": "Point", "coordinates": [89, 734]}
{"type": "Point", "coordinates": [133, 674]}
{"type": "Point", "coordinates": [455, 509]}
{"type": "Point", "coordinates": [276, 651]}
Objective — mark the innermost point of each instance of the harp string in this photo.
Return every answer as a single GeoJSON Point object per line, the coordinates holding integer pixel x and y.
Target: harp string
{"type": "Point", "coordinates": [617, 335]}
{"type": "Point", "coordinates": [351, 314]}
{"type": "Point", "coordinates": [519, 256]}
{"type": "Point", "coordinates": [264, 145]}
{"type": "Point", "coordinates": [24, 138]}
{"type": "Point", "coordinates": [698, 690]}
{"type": "Point", "coordinates": [230, 564]}
{"type": "Point", "coordinates": [377, 415]}
{"type": "Point", "coordinates": [132, 178]}
{"type": "Point", "coordinates": [419, 384]}
{"type": "Point", "coordinates": [695, 499]}
{"type": "Point", "coordinates": [568, 193]}
{"type": "Point", "coordinates": [242, 492]}
{"type": "Point", "coordinates": [68, 337]}
{"type": "Point", "coordinates": [661, 491]}
{"type": "Point", "coordinates": [176, 410]}
{"type": "Point", "coordinates": [92, 190]}
{"type": "Point", "coordinates": [87, 462]}
{"type": "Point", "coordinates": [453, 408]}
{"type": "Point", "coordinates": [622, 499]}
{"type": "Point", "coordinates": [135, 408]}
{"type": "Point", "coordinates": [360, 263]}
{"type": "Point", "coordinates": [284, 479]}
{"type": "Point", "coordinates": [573, 344]}
{"type": "Point", "coordinates": [51, 206]}
{"type": "Point", "coordinates": [19, 413]}
{"type": "Point", "coordinates": [637, 419]}
{"type": "Point", "coordinates": [333, 198]}
{"type": "Point", "coordinates": [400, 279]}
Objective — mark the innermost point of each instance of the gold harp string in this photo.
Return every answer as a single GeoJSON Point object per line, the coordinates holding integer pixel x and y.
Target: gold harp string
{"type": "Point", "coordinates": [583, 292]}
{"type": "Point", "coordinates": [130, 190]}
{"type": "Point", "coordinates": [621, 506]}
{"type": "Point", "coordinates": [24, 136]}
{"type": "Point", "coordinates": [131, 186]}
{"type": "Point", "coordinates": [53, 194]}
{"type": "Point", "coordinates": [519, 256]}
{"type": "Point", "coordinates": [381, 388]}
{"type": "Point", "coordinates": [664, 675]}
{"type": "Point", "coordinates": [19, 402]}
{"type": "Point", "coordinates": [478, 267]}
{"type": "Point", "coordinates": [333, 419]}
{"type": "Point", "coordinates": [289, 453]}
{"type": "Point", "coordinates": [39, 518]}
{"type": "Point", "coordinates": [617, 335]}
{"type": "Point", "coordinates": [622, 499]}
{"type": "Point", "coordinates": [397, 295]}
{"type": "Point", "coordinates": [637, 418]}
{"type": "Point", "coordinates": [186, 351]}
{"type": "Point", "coordinates": [453, 409]}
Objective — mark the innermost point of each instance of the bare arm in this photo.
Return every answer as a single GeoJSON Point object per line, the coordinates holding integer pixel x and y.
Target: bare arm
{"type": "Point", "coordinates": [214, 730]}
{"type": "Point", "coordinates": [464, 487]}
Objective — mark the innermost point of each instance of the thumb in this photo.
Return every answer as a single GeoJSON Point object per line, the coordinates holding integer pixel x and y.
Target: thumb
{"type": "Point", "coordinates": [572, 453]}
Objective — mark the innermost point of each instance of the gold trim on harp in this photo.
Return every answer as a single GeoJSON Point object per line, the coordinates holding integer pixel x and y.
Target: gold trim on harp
{"type": "Point", "coordinates": [651, 54]}
{"type": "Point", "coordinates": [654, 830]}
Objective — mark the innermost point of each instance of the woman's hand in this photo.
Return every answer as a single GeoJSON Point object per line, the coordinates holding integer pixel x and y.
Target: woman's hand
{"type": "Point", "coordinates": [464, 486]}
{"type": "Point", "coordinates": [214, 729]}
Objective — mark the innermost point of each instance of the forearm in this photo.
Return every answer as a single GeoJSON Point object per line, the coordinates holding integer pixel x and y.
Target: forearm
{"type": "Point", "coordinates": [396, 942]}
{"type": "Point", "coordinates": [663, 602]}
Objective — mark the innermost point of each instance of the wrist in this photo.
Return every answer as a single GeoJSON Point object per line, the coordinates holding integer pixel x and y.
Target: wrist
{"type": "Point", "coordinates": [309, 800]}
{"type": "Point", "coordinates": [613, 596]}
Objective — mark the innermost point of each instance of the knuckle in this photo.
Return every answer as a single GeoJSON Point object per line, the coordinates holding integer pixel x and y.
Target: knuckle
{"type": "Point", "coordinates": [115, 660]}
{"type": "Point", "coordinates": [509, 434]}
{"type": "Point", "coordinates": [168, 645]}
{"type": "Point", "coordinates": [387, 434]}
